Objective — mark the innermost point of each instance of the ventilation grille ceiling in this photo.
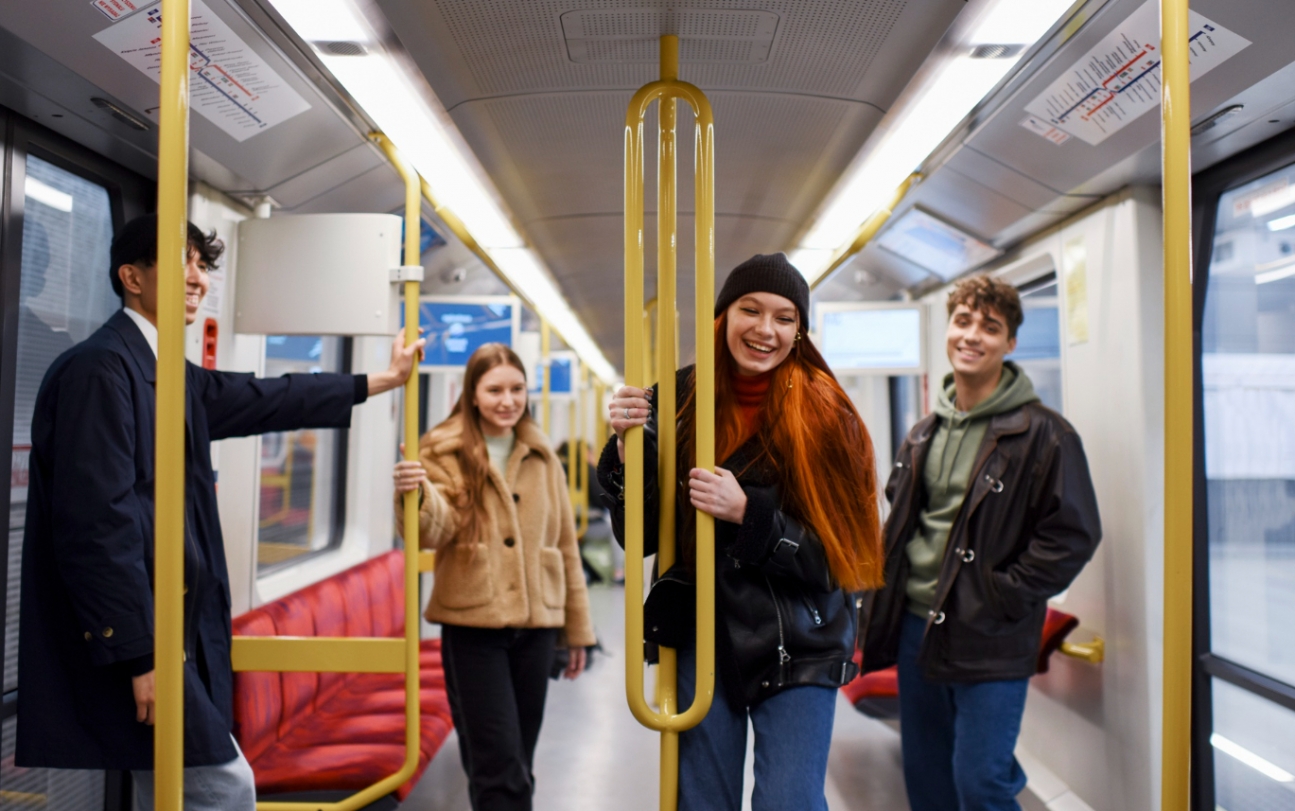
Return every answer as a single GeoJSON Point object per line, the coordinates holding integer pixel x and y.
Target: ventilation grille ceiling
{"type": "Point", "coordinates": [633, 35]}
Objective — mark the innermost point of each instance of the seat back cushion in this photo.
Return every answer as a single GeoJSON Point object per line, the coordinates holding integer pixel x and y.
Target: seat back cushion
{"type": "Point", "coordinates": [330, 620]}
{"type": "Point", "coordinates": [294, 616]}
{"type": "Point", "coordinates": [258, 707]}
{"type": "Point", "coordinates": [355, 596]}
{"type": "Point", "coordinates": [381, 601]}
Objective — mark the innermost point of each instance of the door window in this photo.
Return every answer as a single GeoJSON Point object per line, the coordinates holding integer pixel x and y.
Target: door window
{"type": "Point", "coordinates": [1248, 382]}
{"type": "Point", "coordinates": [64, 295]}
{"type": "Point", "coordinates": [300, 470]}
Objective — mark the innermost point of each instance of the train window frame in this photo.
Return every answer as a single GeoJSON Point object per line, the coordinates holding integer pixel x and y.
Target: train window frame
{"type": "Point", "coordinates": [1208, 188]}
{"type": "Point", "coordinates": [129, 196]}
{"type": "Point", "coordinates": [340, 472]}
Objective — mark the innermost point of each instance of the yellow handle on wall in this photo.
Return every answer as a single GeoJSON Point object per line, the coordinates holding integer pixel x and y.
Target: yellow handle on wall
{"type": "Point", "coordinates": [668, 719]}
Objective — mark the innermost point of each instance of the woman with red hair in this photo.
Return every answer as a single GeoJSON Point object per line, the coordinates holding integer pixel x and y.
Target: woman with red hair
{"type": "Point", "coordinates": [797, 534]}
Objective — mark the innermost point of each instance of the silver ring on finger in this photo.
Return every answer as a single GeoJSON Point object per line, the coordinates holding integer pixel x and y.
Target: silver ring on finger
{"type": "Point", "coordinates": [627, 413]}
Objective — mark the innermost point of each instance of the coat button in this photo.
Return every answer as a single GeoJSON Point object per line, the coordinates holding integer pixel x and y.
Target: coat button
{"type": "Point", "coordinates": [107, 633]}
{"type": "Point", "coordinates": [516, 498]}
{"type": "Point", "coordinates": [509, 542]}
{"type": "Point", "coordinates": [88, 636]}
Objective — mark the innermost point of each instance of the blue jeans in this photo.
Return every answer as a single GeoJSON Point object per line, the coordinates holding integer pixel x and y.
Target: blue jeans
{"type": "Point", "coordinates": [793, 730]}
{"type": "Point", "coordinates": [958, 738]}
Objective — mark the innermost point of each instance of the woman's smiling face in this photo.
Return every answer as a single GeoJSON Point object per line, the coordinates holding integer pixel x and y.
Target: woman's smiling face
{"type": "Point", "coordinates": [761, 331]}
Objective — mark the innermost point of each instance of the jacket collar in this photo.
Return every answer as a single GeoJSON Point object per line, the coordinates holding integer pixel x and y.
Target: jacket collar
{"type": "Point", "coordinates": [447, 438]}
{"type": "Point", "coordinates": [136, 344]}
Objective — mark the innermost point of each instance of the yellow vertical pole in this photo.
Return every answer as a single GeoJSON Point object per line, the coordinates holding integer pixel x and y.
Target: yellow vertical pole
{"type": "Point", "coordinates": [172, 255]}
{"type": "Point", "coordinates": [663, 355]}
{"type": "Point", "coordinates": [573, 475]}
{"type": "Point", "coordinates": [412, 258]}
{"type": "Point", "coordinates": [545, 360]}
{"type": "Point", "coordinates": [600, 418]}
{"type": "Point", "coordinates": [1175, 96]}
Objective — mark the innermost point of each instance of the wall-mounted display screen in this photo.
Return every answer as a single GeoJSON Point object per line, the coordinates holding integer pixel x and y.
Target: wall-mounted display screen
{"type": "Point", "coordinates": [935, 245]}
{"type": "Point", "coordinates": [455, 327]}
{"type": "Point", "coordinates": [883, 339]}
{"type": "Point", "coordinates": [560, 366]}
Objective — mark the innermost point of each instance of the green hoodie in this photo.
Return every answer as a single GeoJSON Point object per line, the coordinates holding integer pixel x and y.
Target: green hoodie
{"type": "Point", "coordinates": [947, 475]}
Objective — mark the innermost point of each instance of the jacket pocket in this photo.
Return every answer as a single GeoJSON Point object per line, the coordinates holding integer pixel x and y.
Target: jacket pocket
{"type": "Point", "coordinates": [553, 581]}
{"type": "Point", "coordinates": [464, 581]}
{"type": "Point", "coordinates": [1004, 599]}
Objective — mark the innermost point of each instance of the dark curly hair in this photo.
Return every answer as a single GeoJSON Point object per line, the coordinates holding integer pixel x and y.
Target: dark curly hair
{"type": "Point", "coordinates": [136, 244]}
{"type": "Point", "coordinates": [982, 293]}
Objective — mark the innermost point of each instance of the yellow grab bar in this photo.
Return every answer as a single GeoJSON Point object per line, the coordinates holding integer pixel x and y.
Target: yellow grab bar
{"type": "Point", "coordinates": [668, 719]}
{"type": "Point", "coordinates": [364, 654]}
{"type": "Point", "coordinates": [546, 360]}
{"type": "Point", "coordinates": [168, 497]}
{"type": "Point", "coordinates": [865, 232]}
{"type": "Point", "coordinates": [1176, 171]}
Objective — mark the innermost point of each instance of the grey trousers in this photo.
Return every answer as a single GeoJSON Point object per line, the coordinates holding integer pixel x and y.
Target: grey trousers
{"type": "Point", "coordinates": [226, 787]}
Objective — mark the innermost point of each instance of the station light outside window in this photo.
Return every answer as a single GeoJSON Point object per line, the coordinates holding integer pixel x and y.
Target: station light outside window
{"type": "Point", "coordinates": [949, 86]}
{"type": "Point", "coordinates": [1259, 764]}
{"type": "Point", "coordinates": [426, 136]}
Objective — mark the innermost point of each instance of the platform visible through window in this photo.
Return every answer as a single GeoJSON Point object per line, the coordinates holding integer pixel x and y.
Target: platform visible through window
{"type": "Point", "coordinates": [300, 470]}
{"type": "Point", "coordinates": [1247, 378]}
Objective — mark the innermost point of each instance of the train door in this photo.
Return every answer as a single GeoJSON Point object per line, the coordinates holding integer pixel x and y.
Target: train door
{"type": "Point", "coordinates": [60, 209]}
{"type": "Point", "coordinates": [1245, 517]}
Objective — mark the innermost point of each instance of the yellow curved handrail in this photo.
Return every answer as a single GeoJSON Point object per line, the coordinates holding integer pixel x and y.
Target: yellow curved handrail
{"type": "Point", "coordinates": [169, 478]}
{"type": "Point", "coordinates": [369, 655]}
{"type": "Point", "coordinates": [667, 719]}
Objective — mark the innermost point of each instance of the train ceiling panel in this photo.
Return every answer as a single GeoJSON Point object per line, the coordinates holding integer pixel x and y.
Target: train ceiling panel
{"type": "Point", "coordinates": [545, 115]}
{"type": "Point", "coordinates": [270, 157]}
{"type": "Point", "coordinates": [1072, 166]}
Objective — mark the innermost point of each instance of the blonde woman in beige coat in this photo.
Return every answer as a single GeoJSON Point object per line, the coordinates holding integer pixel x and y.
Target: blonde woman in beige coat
{"type": "Point", "coordinates": [509, 587]}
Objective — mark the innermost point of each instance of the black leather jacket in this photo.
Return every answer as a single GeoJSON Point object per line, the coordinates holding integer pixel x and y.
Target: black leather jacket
{"type": "Point", "coordinates": [1024, 532]}
{"type": "Point", "coordinates": [781, 621]}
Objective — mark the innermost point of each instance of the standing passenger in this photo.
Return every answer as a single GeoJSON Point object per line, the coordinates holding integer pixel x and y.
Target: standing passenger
{"type": "Point", "coordinates": [509, 586]}
{"type": "Point", "coordinates": [797, 532]}
{"type": "Point", "coordinates": [86, 638]}
{"type": "Point", "coordinates": [992, 513]}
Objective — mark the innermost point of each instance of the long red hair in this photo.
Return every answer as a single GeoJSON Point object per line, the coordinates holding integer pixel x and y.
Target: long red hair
{"type": "Point", "coordinates": [813, 438]}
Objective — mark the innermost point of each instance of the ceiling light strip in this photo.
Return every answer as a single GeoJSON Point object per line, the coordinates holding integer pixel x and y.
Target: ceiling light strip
{"type": "Point", "coordinates": [412, 121]}
{"type": "Point", "coordinates": [864, 235]}
{"type": "Point", "coordinates": [947, 88]}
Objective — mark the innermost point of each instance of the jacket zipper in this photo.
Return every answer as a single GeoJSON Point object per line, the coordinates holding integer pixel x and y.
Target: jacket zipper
{"type": "Point", "coordinates": [784, 658]}
{"type": "Point", "coordinates": [813, 610]}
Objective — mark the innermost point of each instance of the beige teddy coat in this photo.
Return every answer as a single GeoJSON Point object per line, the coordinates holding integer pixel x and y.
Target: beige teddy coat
{"type": "Point", "coordinates": [525, 571]}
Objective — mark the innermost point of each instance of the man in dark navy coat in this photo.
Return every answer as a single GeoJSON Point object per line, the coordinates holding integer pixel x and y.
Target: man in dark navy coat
{"type": "Point", "coordinates": [86, 641]}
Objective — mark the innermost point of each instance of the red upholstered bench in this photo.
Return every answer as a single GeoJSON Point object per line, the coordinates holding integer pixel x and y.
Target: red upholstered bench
{"type": "Point", "coordinates": [305, 732]}
{"type": "Point", "coordinates": [877, 694]}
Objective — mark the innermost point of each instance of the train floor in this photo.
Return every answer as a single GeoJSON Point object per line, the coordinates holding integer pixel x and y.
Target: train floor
{"type": "Point", "coordinates": [591, 749]}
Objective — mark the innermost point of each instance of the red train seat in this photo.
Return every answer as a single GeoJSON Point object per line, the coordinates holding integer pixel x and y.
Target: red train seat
{"type": "Point", "coordinates": [877, 694]}
{"type": "Point", "coordinates": [337, 731]}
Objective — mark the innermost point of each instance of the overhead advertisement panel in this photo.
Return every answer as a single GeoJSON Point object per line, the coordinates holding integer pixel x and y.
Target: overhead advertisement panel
{"type": "Point", "coordinates": [1119, 79]}
{"type": "Point", "coordinates": [229, 84]}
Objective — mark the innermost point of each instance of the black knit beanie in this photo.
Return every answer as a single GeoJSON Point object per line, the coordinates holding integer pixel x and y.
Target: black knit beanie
{"type": "Point", "coordinates": [766, 273]}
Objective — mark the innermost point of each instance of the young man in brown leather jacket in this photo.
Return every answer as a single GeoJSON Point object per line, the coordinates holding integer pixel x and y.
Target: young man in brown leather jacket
{"type": "Point", "coordinates": [993, 512]}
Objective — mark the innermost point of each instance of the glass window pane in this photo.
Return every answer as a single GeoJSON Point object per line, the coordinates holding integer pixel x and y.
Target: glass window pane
{"type": "Point", "coordinates": [1248, 376]}
{"type": "Point", "coordinates": [1254, 751]}
{"type": "Point", "coordinates": [64, 295]}
{"type": "Point", "coordinates": [298, 468]}
{"type": "Point", "coordinates": [1038, 345]}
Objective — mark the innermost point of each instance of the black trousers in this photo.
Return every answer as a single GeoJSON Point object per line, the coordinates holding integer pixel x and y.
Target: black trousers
{"type": "Point", "coordinates": [497, 680]}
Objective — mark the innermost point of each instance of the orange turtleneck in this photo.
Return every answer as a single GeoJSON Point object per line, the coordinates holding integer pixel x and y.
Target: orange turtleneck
{"type": "Point", "coordinates": [750, 393]}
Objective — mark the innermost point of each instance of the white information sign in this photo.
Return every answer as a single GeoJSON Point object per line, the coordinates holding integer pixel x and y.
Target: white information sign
{"type": "Point", "coordinates": [118, 9]}
{"type": "Point", "coordinates": [1119, 79]}
{"type": "Point", "coordinates": [230, 85]}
